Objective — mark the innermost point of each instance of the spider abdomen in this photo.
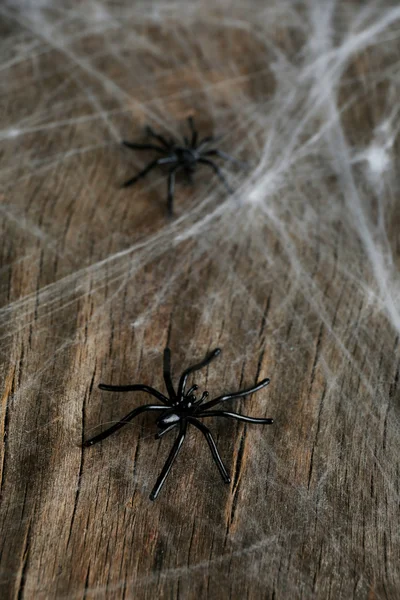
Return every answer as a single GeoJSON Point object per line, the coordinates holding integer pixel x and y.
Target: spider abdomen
{"type": "Point", "coordinates": [187, 156]}
{"type": "Point", "coordinates": [168, 419]}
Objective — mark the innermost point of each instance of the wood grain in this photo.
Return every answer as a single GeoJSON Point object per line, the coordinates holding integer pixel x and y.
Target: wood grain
{"type": "Point", "coordinates": [96, 281]}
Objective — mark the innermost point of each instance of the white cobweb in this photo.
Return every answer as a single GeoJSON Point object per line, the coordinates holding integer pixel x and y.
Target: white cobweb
{"type": "Point", "coordinates": [301, 261]}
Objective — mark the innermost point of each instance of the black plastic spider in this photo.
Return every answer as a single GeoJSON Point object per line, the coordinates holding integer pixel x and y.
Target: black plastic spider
{"type": "Point", "coordinates": [179, 410]}
{"type": "Point", "coordinates": [186, 157]}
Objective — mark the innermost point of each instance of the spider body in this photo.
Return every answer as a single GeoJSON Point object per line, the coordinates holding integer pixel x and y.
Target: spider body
{"type": "Point", "coordinates": [180, 409]}
{"type": "Point", "coordinates": [187, 407]}
{"type": "Point", "coordinates": [188, 157]}
{"type": "Point", "coordinates": [178, 157]}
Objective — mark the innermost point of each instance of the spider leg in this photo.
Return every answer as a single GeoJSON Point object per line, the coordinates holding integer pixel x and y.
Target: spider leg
{"type": "Point", "coordinates": [134, 146]}
{"type": "Point", "coordinates": [192, 389]}
{"type": "Point", "coordinates": [214, 450]}
{"type": "Point", "coordinates": [201, 400]}
{"type": "Point", "coordinates": [136, 388]}
{"type": "Point", "coordinates": [142, 173]}
{"type": "Point", "coordinates": [171, 188]}
{"type": "Point", "coordinates": [151, 133]}
{"type": "Point", "coordinates": [162, 432]}
{"type": "Point", "coordinates": [195, 134]}
{"type": "Point", "coordinates": [225, 156]}
{"type": "Point", "coordinates": [165, 160]}
{"type": "Point", "coordinates": [251, 390]}
{"type": "Point", "coordinates": [197, 367]}
{"type": "Point", "coordinates": [233, 415]}
{"type": "Point", "coordinates": [170, 461]}
{"type": "Point", "coordinates": [167, 374]}
{"type": "Point", "coordinates": [207, 140]}
{"type": "Point", "coordinates": [134, 413]}
{"type": "Point", "coordinates": [217, 170]}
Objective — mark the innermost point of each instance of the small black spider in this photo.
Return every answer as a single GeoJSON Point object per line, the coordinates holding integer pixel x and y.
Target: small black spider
{"type": "Point", "coordinates": [184, 156]}
{"type": "Point", "coordinates": [182, 409]}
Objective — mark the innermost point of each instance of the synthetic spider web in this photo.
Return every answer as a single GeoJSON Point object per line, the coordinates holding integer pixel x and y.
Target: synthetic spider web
{"type": "Point", "coordinates": [295, 276]}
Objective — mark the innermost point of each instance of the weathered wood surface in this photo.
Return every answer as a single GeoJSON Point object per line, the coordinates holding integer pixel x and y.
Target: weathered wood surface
{"type": "Point", "coordinates": [95, 282]}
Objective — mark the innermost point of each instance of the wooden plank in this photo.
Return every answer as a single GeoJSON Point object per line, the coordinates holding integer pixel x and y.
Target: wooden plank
{"type": "Point", "coordinates": [284, 277]}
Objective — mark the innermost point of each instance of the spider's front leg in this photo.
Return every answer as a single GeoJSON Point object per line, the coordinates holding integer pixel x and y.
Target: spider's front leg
{"type": "Point", "coordinates": [217, 171]}
{"type": "Point", "coordinates": [236, 416]}
{"type": "Point", "coordinates": [160, 138]}
{"type": "Point", "coordinates": [261, 384]}
{"type": "Point", "coordinates": [196, 367]}
{"type": "Point", "coordinates": [167, 374]}
{"type": "Point", "coordinates": [195, 135]}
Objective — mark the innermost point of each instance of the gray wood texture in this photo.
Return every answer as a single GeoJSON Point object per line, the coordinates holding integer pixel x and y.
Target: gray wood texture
{"type": "Point", "coordinates": [96, 281]}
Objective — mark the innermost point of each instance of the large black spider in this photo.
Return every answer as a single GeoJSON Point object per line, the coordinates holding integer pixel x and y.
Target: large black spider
{"type": "Point", "coordinates": [178, 410]}
{"type": "Point", "coordinates": [184, 156]}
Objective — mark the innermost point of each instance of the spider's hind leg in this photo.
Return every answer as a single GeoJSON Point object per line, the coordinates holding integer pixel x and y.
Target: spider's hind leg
{"type": "Point", "coordinates": [217, 171]}
{"type": "Point", "coordinates": [170, 461]}
{"type": "Point", "coordinates": [225, 156]}
{"type": "Point", "coordinates": [212, 445]}
{"type": "Point", "coordinates": [142, 173]}
{"type": "Point", "coordinates": [134, 146]}
{"type": "Point", "coordinates": [171, 190]}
